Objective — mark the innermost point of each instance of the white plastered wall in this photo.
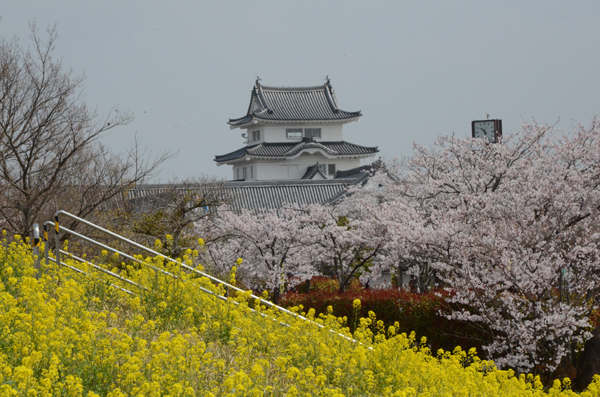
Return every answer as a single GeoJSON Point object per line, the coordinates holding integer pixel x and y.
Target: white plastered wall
{"type": "Point", "coordinates": [276, 133]}
{"type": "Point", "coordinates": [296, 168]}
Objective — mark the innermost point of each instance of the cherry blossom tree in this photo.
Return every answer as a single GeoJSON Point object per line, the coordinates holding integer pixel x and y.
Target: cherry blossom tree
{"type": "Point", "coordinates": [511, 229]}
{"type": "Point", "coordinates": [391, 222]}
{"type": "Point", "coordinates": [346, 238]}
{"type": "Point", "coordinates": [271, 244]}
{"type": "Point", "coordinates": [219, 251]}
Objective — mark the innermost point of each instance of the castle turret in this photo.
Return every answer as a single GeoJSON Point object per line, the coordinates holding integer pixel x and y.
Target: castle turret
{"type": "Point", "coordinates": [294, 133]}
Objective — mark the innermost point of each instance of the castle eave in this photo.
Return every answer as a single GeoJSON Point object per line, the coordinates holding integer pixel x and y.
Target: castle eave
{"type": "Point", "coordinates": [289, 151]}
{"type": "Point", "coordinates": [316, 104]}
{"type": "Point", "coordinates": [250, 121]}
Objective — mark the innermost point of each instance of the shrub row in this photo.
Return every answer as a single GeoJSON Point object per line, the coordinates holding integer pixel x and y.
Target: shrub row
{"type": "Point", "coordinates": [412, 311]}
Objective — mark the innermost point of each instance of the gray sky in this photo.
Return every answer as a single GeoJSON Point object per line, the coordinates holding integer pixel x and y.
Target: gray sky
{"type": "Point", "coordinates": [416, 69]}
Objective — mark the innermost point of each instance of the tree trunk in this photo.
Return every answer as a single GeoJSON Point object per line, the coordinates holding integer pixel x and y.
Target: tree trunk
{"type": "Point", "coordinates": [276, 295]}
{"type": "Point", "coordinates": [589, 362]}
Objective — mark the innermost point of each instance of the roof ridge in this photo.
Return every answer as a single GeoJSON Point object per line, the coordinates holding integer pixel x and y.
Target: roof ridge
{"type": "Point", "coordinates": [330, 99]}
{"type": "Point", "coordinates": [283, 88]}
{"type": "Point", "coordinates": [313, 170]}
{"type": "Point", "coordinates": [299, 147]}
{"type": "Point", "coordinates": [262, 99]}
{"type": "Point", "coordinates": [332, 93]}
{"type": "Point", "coordinates": [253, 148]}
{"type": "Point", "coordinates": [319, 144]}
{"type": "Point", "coordinates": [354, 144]}
{"type": "Point", "coordinates": [290, 182]}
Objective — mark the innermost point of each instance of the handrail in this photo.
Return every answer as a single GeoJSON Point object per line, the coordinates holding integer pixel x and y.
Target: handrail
{"type": "Point", "coordinates": [109, 248]}
{"type": "Point", "coordinates": [92, 241]}
{"type": "Point", "coordinates": [120, 253]}
{"type": "Point", "coordinates": [151, 251]}
{"type": "Point", "coordinates": [57, 229]}
{"type": "Point", "coordinates": [115, 275]}
{"type": "Point", "coordinates": [89, 275]}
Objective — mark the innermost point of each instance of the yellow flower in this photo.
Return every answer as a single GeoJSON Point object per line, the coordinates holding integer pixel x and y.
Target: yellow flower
{"type": "Point", "coordinates": [157, 342]}
{"type": "Point", "coordinates": [232, 275]}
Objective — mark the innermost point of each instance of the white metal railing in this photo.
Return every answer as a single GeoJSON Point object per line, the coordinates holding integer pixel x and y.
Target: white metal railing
{"type": "Point", "coordinates": [150, 251]}
{"type": "Point", "coordinates": [38, 268]}
{"type": "Point", "coordinates": [58, 253]}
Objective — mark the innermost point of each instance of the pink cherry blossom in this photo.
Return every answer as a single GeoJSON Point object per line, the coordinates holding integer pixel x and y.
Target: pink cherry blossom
{"type": "Point", "coordinates": [511, 230]}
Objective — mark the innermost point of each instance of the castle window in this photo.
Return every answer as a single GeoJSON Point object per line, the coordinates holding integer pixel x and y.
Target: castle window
{"type": "Point", "coordinates": [293, 133]}
{"type": "Point", "coordinates": [312, 132]}
{"type": "Point", "coordinates": [256, 135]}
{"type": "Point", "coordinates": [331, 169]}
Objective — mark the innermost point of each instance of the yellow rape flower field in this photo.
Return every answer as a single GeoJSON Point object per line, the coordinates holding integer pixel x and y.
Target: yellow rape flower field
{"type": "Point", "coordinates": [67, 334]}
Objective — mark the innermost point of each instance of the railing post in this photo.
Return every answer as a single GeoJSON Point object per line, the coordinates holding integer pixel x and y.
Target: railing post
{"type": "Point", "coordinates": [46, 246]}
{"type": "Point", "coordinates": [56, 240]}
{"type": "Point", "coordinates": [36, 249]}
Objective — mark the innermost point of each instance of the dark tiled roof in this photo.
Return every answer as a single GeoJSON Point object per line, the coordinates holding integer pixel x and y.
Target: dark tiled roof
{"type": "Point", "coordinates": [312, 171]}
{"type": "Point", "coordinates": [371, 168]}
{"type": "Point", "coordinates": [280, 104]}
{"type": "Point", "coordinates": [233, 155]}
{"type": "Point", "coordinates": [261, 195]}
{"type": "Point", "coordinates": [284, 149]}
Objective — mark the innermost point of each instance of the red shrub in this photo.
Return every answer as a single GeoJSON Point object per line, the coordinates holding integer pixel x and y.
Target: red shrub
{"type": "Point", "coordinates": [414, 312]}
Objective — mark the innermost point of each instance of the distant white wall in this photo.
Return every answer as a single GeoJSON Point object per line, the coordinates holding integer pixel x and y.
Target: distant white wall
{"type": "Point", "coordinates": [295, 169]}
{"type": "Point", "coordinates": [277, 133]}
{"type": "Point", "coordinates": [246, 171]}
{"type": "Point", "coordinates": [289, 169]}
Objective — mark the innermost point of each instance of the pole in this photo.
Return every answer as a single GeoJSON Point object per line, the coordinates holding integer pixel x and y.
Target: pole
{"type": "Point", "coordinates": [46, 245]}
{"type": "Point", "coordinates": [36, 249]}
{"type": "Point", "coordinates": [56, 240]}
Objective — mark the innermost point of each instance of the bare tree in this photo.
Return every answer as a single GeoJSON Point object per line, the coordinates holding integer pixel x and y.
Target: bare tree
{"type": "Point", "coordinates": [173, 209]}
{"type": "Point", "coordinates": [50, 154]}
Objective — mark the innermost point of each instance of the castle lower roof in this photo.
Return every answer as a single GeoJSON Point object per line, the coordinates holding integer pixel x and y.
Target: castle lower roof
{"type": "Point", "coordinates": [293, 104]}
{"type": "Point", "coordinates": [285, 150]}
{"type": "Point", "coordinates": [260, 195]}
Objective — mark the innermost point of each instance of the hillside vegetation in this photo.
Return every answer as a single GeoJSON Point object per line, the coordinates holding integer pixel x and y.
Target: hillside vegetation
{"type": "Point", "coordinates": [67, 334]}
